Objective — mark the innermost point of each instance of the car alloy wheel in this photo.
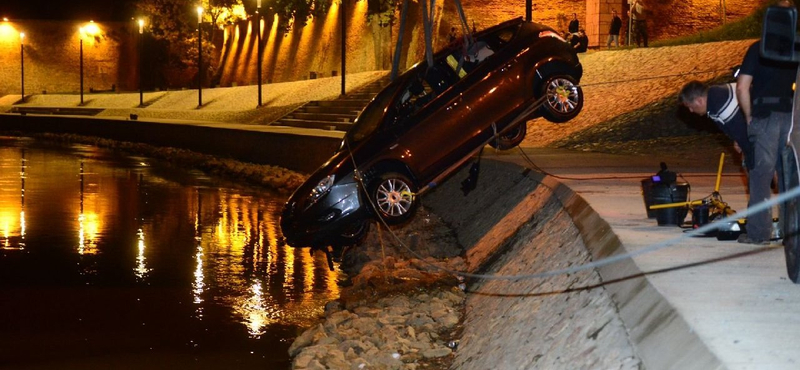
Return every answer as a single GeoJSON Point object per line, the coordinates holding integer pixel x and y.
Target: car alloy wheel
{"type": "Point", "coordinates": [394, 196]}
{"type": "Point", "coordinates": [563, 99]}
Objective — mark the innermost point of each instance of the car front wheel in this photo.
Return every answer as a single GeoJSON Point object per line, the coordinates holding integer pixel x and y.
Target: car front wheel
{"type": "Point", "coordinates": [563, 98]}
{"type": "Point", "coordinates": [394, 196]}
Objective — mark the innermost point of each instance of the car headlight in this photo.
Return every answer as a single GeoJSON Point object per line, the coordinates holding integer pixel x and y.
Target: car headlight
{"type": "Point", "coordinates": [322, 187]}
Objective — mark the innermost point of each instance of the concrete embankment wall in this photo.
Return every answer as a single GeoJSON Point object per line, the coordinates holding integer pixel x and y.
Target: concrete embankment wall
{"type": "Point", "coordinates": [296, 152]}
{"type": "Point", "coordinates": [519, 222]}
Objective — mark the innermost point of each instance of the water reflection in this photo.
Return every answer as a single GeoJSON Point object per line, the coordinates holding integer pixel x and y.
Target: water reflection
{"type": "Point", "coordinates": [154, 237]}
{"type": "Point", "coordinates": [12, 200]}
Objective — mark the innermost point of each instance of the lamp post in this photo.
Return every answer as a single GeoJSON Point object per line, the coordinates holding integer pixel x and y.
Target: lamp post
{"type": "Point", "coordinates": [81, 63]}
{"type": "Point", "coordinates": [528, 10]}
{"type": "Point", "coordinates": [199, 57]}
{"type": "Point", "coordinates": [344, 38]}
{"type": "Point", "coordinates": [258, 45]}
{"type": "Point", "coordinates": [22, 64]}
{"type": "Point", "coordinates": [141, 36]}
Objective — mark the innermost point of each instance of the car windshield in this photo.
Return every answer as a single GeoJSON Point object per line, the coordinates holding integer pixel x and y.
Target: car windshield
{"type": "Point", "coordinates": [372, 116]}
{"type": "Point", "coordinates": [420, 85]}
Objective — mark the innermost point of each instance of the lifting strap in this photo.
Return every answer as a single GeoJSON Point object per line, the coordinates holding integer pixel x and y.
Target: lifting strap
{"type": "Point", "coordinates": [428, 12]}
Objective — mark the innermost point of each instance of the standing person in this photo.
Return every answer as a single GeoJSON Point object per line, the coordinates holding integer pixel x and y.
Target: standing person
{"type": "Point", "coordinates": [637, 14]}
{"type": "Point", "coordinates": [574, 24]}
{"type": "Point", "coordinates": [719, 103]}
{"type": "Point", "coordinates": [613, 31]}
{"type": "Point", "coordinates": [764, 91]}
{"type": "Point", "coordinates": [453, 35]}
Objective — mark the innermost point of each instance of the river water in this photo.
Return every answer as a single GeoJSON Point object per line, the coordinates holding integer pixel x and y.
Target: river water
{"type": "Point", "coordinates": [119, 262]}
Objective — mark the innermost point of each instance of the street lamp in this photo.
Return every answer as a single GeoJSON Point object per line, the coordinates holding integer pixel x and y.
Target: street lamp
{"type": "Point", "coordinates": [343, 12]}
{"type": "Point", "coordinates": [141, 36]}
{"type": "Point", "coordinates": [82, 31]}
{"type": "Point", "coordinates": [199, 57]}
{"type": "Point", "coordinates": [22, 64]}
{"type": "Point", "coordinates": [258, 45]}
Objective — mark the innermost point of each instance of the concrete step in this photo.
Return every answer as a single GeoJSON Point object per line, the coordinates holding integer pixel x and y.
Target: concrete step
{"type": "Point", "coordinates": [359, 96]}
{"type": "Point", "coordinates": [357, 104]}
{"type": "Point", "coordinates": [322, 125]}
{"type": "Point", "coordinates": [327, 117]}
{"type": "Point", "coordinates": [72, 111]}
{"type": "Point", "coordinates": [330, 110]}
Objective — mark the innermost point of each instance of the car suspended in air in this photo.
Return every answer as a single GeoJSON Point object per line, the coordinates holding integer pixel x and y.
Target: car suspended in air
{"type": "Point", "coordinates": [428, 122]}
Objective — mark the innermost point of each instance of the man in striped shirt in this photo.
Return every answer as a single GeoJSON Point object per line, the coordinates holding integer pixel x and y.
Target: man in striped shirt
{"type": "Point", "coordinates": [719, 103]}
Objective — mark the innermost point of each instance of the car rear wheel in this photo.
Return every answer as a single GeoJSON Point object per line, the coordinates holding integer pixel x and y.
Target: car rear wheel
{"type": "Point", "coordinates": [563, 98]}
{"type": "Point", "coordinates": [510, 138]}
{"type": "Point", "coordinates": [394, 196]}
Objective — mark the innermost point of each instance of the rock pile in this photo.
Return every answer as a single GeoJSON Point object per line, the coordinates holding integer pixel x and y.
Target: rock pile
{"type": "Point", "coordinates": [396, 332]}
{"type": "Point", "coordinates": [402, 307]}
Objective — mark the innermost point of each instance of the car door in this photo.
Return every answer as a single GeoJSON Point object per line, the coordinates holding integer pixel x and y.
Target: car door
{"type": "Point", "coordinates": [428, 135]}
{"type": "Point", "coordinates": [490, 94]}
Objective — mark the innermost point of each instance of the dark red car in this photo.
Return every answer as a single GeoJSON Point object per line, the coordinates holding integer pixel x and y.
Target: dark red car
{"type": "Point", "coordinates": [428, 122]}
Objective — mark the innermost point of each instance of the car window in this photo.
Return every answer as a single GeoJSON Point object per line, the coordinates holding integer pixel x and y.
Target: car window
{"type": "Point", "coordinates": [372, 116]}
{"type": "Point", "coordinates": [464, 60]}
{"type": "Point", "coordinates": [416, 96]}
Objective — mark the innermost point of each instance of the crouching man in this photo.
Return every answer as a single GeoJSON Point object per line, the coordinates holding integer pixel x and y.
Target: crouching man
{"type": "Point", "coordinates": [719, 103]}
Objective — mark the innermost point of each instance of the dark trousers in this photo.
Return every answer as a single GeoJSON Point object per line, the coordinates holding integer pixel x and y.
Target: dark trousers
{"type": "Point", "coordinates": [768, 135]}
{"type": "Point", "coordinates": [640, 32]}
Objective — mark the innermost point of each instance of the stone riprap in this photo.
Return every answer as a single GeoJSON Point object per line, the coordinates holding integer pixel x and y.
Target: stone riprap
{"type": "Point", "coordinates": [510, 224]}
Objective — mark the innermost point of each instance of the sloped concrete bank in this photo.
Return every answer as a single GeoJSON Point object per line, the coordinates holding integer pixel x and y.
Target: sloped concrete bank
{"type": "Point", "coordinates": [515, 222]}
{"type": "Point", "coordinates": [519, 222]}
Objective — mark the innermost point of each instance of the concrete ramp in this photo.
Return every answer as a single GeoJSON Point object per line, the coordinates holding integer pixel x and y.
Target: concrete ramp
{"type": "Point", "coordinates": [519, 222]}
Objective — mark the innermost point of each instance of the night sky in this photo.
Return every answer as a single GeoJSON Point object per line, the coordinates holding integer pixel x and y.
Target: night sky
{"type": "Point", "coordinates": [101, 10]}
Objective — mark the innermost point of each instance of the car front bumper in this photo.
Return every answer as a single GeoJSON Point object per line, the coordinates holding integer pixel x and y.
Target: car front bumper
{"type": "Point", "coordinates": [320, 223]}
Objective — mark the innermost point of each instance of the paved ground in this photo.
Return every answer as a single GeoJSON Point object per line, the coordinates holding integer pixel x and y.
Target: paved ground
{"type": "Point", "coordinates": [735, 297]}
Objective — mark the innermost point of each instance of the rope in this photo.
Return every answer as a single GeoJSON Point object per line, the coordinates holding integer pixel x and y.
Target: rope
{"type": "Point", "coordinates": [763, 206]}
{"type": "Point", "coordinates": [654, 77]}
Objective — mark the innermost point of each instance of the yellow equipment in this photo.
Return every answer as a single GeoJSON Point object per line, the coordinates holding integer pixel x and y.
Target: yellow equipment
{"type": "Point", "coordinates": [717, 207]}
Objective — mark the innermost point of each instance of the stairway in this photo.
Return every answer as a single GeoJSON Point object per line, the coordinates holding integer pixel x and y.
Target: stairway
{"type": "Point", "coordinates": [337, 114]}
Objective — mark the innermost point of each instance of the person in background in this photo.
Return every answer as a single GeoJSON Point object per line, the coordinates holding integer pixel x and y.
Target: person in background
{"type": "Point", "coordinates": [580, 41]}
{"type": "Point", "coordinates": [637, 14]}
{"type": "Point", "coordinates": [764, 91]}
{"type": "Point", "coordinates": [719, 103]}
{"type": "Point", "coordinates": [574, 24]}
{"type": "Point", "coordinates": [453, 35]}
{"type": "Point", "coordinates": [613, 31]}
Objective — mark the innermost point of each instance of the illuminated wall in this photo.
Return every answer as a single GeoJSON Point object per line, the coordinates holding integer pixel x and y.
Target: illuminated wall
{"type": "Point", "coordinates": [52, 56]}
{"type": "Point", "coordinates": [315, 47]}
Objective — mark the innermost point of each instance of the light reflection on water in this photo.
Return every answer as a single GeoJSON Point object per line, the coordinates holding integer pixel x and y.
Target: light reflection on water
{"type": "Point", "coordinates": [182, 259]}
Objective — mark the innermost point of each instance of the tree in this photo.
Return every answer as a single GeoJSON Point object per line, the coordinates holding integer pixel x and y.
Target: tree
{"type": "Point", "coordinates": [174, 23]}
{"type": "Point", "coordinates": [382, 11]}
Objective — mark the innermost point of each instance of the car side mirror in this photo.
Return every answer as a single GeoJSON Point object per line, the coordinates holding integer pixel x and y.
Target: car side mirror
{"type": "Point", "coordinates": [778, 37]}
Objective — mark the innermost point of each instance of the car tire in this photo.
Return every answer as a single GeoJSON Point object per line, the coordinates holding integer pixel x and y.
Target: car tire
{"type": "Point", "coordinates": [352, 235]}
{"type": "Point", "coordinates": [563, 98]}
{"type": "Point", "coordinates": [510, 138]}
{"type": "Point", "coordinates": [394, 196]}
{"type": "Point", "coordinates": [791, 223]}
